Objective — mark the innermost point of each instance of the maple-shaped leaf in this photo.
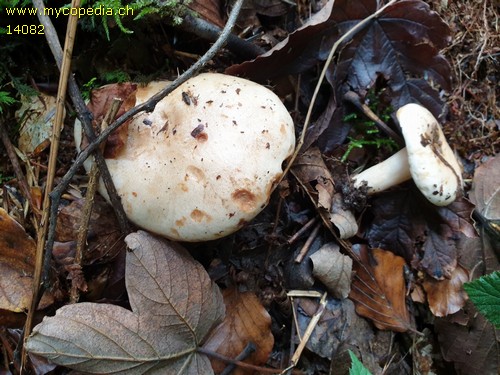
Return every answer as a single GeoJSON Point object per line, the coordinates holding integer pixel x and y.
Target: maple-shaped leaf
{"type": "Point", "coordinates": [378, 288]}
{"type": "Point", "coordinates": [401, 44]}
{"type": "Point", "coordinates": [174, 307]}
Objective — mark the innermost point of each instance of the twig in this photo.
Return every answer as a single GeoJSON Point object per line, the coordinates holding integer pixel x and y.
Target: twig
{"type": "Point", "coordinates": [351, 32]}
{"type": "Point", "coordinates": [309, 330]}
{"type": "Point", "coordinates": [243, 365]}
{"type": "Point", "coordinates": [54, 148]}
{"type": "Point", "coordinates": [208, 31]}
{"type": "Point", "coordinates": [146, 106]}
{"type": "Point", "coordinates": [83, 115]}
{"type": "Point", "coordinates": [247, 351]}
{"type": "Point", "coordinates": [302, 230]}
{"type": "Point", "coordinates": [307, 244]}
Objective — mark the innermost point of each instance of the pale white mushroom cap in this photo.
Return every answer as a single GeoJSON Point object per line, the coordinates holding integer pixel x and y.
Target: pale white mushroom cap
{"type": "Point", "coordinates": [433, 165]}
{"type": "Point", "coordinates": [205, 161]}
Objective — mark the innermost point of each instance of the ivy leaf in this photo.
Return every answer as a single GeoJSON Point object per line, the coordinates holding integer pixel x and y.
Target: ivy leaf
{"type": "Point", "coordinates": [485, 294]}
{"type": "Point", "coordinates": [174, 308]}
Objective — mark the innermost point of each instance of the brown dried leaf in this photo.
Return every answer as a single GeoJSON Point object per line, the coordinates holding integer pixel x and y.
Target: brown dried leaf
{"type": "Point", "coordinates": [104, 239]}
{"type": "Point", "coordinates": [447, 296]}
{"type": "Point", "coordinates": [174, 307]}
{"type": "Point", "coordinates": [209, 10]}
{"type": "Point", "coordinates": [378, 288]}
{"type": "Point", "coordinates": [17, 257]}
{"type": "Point", "coordinates": [333, 269]}
{"type": "Point", "coordinates": [246, 321]}
{"type": "Point", "coordinates": [313, 174]}
{"type": "Point", "coordinates": [99, 105]}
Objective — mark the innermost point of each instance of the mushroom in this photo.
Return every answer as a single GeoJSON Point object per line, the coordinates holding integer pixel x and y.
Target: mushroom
{"type": "Point", "coordinates": [427, 158]}
{"type": "Point", "coordinates": [205, 161]}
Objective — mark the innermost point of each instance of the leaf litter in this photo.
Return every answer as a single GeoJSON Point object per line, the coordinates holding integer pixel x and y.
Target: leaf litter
{"type": "Point", "coordinates": [426, 250]}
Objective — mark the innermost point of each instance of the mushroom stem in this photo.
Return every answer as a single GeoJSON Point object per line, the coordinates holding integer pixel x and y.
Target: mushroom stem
{"type": "Point", "coordinates": [389, 173]}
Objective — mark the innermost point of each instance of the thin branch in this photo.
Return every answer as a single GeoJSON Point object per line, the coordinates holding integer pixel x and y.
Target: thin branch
{"type": "Point", "coordinates": [220, 357]}
{"type": "Point", "coordinates": [208, 31]}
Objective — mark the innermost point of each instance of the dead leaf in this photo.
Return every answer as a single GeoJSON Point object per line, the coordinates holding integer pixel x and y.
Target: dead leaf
{"type": "Point", "coordinates": [315, 177]}
{"type": "Point", "coordinates": [485, 191]}
{"type": "Point", "coordinates": [343, 219]}
{"type": "Point", "coordinates": [473, 347]}
{"type": "Point", "coordinates": [174, 307]}
{"type": "Point", "coordinates": [36, 117]}
{"type": "Point", "coordinates": [99, 104]}
{"type": "Point", "coordinates": [440, 256]}
{"type": "Point", "coordinates": [209, 10]}
{"type": "Point", "coordinates": [402, 43]}
{"type": "Point", "coordinates": [340, 329]}
{"type": "Point", "coordinates": [485, 194]}
{"type": "Point", "coordinates": [104, 238]}
{"type": "Point", "coordinates": [402, 220]}
{"type": "Point", "coordinates": [333, 269]}
{"type": "Point", "coordinates": [447, 296]}
{"type": "Point", "coordinates": [246, 321]}
{"type": "Point", "coordinates": [378, 289]}
{"type": "Point", "coordinates": [17, 262]}
{"type": "Point", "coordinates": [396, 223]}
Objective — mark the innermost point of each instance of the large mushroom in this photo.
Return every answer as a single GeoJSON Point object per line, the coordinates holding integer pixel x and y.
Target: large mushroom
{"type": "Point", "coordinates": [205, 161]}
{"type": "Point", "coordinates": [427, 158]}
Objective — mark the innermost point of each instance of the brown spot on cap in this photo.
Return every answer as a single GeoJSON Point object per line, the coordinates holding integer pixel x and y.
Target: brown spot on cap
{"type": "Point", "coordinates": [198, 216]}
{"type": "Point", "coordinates": [180, 222]}
{"type": "Point", "coordinates": [245, 200]}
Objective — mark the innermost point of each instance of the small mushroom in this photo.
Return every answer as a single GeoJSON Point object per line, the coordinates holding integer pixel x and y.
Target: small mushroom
{"type": "Point", "coordinates": [427, 158]}
{"type": "Point", "coordinates": [205, 161]}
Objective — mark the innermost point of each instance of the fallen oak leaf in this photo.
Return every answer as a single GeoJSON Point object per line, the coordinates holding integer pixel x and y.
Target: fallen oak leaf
{"type": "Point", "coordinates": [174, 307]}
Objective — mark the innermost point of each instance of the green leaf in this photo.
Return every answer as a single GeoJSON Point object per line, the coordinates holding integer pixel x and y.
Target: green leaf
{"type": "Point", "coordinates": [6, 99]}
{"type": "Point", "coordinates": [485, 294]}
{"type": "Point", "coordinates": [357, 367]}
